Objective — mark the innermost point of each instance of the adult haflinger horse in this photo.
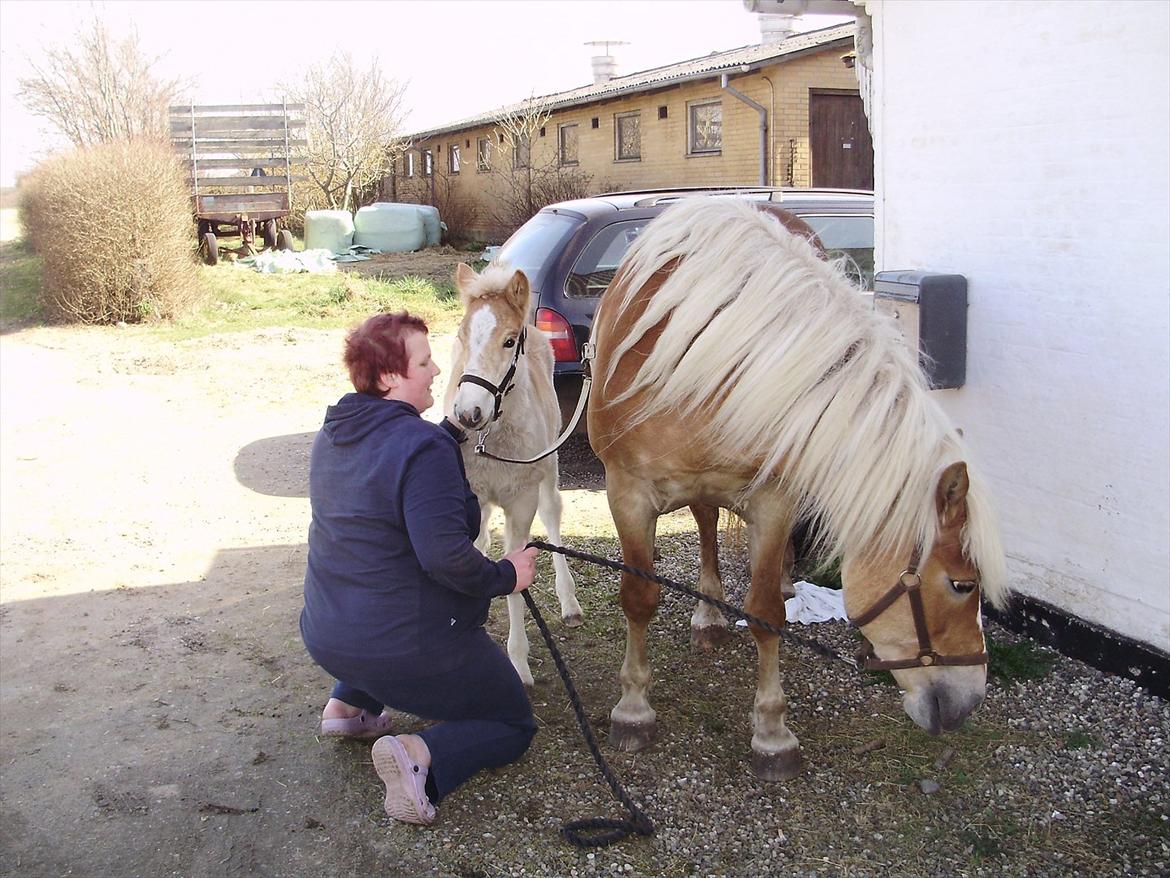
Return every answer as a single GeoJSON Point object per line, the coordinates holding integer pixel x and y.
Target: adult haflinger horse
{"type": "Point", "coordinates": [737, 368]}
{"type": "Point", "coordinates": [505, 388]}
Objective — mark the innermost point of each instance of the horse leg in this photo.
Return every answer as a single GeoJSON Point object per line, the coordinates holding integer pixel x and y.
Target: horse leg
{"type": "Point", "coordinates": [632, 719]}
{"type": "Point", "coordinates": [484, 541]}
{"type": "Point", "coordinates": [549, 508]}
{"type": "Point", "coordinates": [775, 750]}
{"type": "Point", "coordinates": [517, 525]}
{"type": "Point", "coordinates": [708, 624]}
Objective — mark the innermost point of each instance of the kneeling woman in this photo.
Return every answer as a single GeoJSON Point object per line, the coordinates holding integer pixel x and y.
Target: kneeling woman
{"type": "Point", "coordinates": [396, 595]}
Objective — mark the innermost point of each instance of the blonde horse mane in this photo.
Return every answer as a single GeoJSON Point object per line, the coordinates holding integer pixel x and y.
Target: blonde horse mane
{"type": "Point", "coordinates": [775, 358]}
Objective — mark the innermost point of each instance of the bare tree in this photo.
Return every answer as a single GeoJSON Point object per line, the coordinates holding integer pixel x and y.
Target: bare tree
{"type": "Point", "coordinates": [353, 119]}
{"type": "Point", "coordinates": [96, 89]}
{"type": "Point", "coordinates": [524, 179]}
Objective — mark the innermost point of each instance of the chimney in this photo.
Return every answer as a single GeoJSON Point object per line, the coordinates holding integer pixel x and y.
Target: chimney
{"type": "Point", "coordinates": [776, 28]}
{"type": "Point", "coordinates": [604, 65]}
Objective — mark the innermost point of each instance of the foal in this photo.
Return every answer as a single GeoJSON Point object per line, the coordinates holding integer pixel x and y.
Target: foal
{"type": "Point", "coordinates": [521, 413]}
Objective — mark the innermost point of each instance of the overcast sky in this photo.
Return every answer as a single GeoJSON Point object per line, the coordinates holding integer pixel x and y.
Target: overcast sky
{"type": "Point", "coordinates": [459, 57]}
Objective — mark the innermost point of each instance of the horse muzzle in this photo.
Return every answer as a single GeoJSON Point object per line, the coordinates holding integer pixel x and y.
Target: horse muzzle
{"type": "Point", "coordinates": [942, 706]}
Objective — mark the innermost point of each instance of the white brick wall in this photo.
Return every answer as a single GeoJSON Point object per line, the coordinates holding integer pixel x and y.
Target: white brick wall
{"type": "Point", "coordinates": [1024, 145]}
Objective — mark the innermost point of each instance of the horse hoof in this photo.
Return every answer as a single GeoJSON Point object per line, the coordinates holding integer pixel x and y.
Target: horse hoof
{"type": "Point", "coordinates": [781, 765]}
{"type": "Point", "coordinates": [710, 637]}
{"type": "Point", "coordinates": [573, 621]}
{"type": "Point", "coordinates": [631, 737]}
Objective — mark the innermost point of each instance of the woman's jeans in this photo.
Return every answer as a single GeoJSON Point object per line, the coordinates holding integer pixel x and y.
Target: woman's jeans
{"type": "Point", "coordinates": [485, 718]}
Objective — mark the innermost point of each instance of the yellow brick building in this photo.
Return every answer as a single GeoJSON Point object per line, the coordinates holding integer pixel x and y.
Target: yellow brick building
{"type": "Point", "coordinates": [679, 125]}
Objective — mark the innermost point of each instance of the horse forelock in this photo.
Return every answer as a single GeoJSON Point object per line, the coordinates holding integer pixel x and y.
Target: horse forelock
{"type": "Point", "coordinates": [777, 360]}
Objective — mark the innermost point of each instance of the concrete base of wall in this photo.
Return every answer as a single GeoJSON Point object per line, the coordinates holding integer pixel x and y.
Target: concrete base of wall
{"type": "Point", "coordinates": [1091, 644]}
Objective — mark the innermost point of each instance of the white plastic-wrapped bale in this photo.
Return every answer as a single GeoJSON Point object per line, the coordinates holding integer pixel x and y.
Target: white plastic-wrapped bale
{"type": "Point", "coordinates": [390, 227]}
{"type": "Point", "coordinates": [432, 228]}
{"type": "Point", "coordinates": [330, 230]}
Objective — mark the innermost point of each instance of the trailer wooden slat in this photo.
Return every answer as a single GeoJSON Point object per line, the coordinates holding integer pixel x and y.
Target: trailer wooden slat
{"type": "Point", "coordinates": [235, 108]}
{"type": "Point", "coordinates": [248, 182]}
{"type": "Point", "coordinates": [246, 163]}
{"type": "Point", "coordinates": [183, 144]}
{"type": "Point", "coordinates": [233, 123]}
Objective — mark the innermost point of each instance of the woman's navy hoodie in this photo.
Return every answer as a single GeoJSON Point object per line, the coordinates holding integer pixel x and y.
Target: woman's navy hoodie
{"type": "Point", "coordinates": [392, 571]}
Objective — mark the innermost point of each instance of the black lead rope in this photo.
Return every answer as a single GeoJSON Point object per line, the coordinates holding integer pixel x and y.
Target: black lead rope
{"type": "Point", "coordinates": [604, 832]}
{"type": "Point", "coordinates": [787, 633]}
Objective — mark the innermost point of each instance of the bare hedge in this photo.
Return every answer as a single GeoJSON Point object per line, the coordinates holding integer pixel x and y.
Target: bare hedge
{"type": "Point", "coordinates": [113, 226]}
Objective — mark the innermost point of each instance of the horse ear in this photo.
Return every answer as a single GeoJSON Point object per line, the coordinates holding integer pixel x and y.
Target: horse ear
{"type": "Point", "coordinates": [465, 276]}
{"type": "Point", "coordinates": [950, 499]}
{"type": "Point", "coordinates": [517, 291]}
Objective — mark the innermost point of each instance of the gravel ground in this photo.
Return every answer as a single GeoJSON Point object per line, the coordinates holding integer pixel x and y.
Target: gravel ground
{"type": "Point", "coordinates": [158, 714]}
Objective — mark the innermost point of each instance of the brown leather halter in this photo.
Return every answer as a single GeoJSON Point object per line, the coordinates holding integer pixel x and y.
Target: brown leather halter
{"type": "Point", "coordinates": [910, 584]}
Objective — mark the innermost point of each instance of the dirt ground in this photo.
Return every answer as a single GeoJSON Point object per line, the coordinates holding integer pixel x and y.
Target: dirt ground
{"type": "Point", "coordinates": [433, 263]}
{"type": "Point", "coordinates": [158, 711]}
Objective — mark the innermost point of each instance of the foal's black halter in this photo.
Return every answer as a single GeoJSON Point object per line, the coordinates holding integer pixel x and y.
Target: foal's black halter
{"type": "Point", "coordinates": [910, 584]}
{"type": "Point", "coordinates": [499, 391]}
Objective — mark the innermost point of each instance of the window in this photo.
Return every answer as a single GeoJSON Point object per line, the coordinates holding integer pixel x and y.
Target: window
{"type": "Point", "coordinates": [428, 163]}
{"type": "Point", "coordinates": [483, 154]}
{"type": "Point", "coordinates": [594, 123]}
{"type": "Point", "coordinates": [662, 112]}
{"type": "Point", "coordinates": [522, 152]}
{"type": "Point", "coordinates": [705, 129]}
{"type": "Point", "coordinates": [850, 239]}
{"type": "Point", "coordinates": [538, 243]}
{"type": "Point", "coordinates": [453, 158]}
{"type": "Point", "coordinates": [627, 131]}
{"type": "Point", "coordinates": [599, 260]}
{"type": "Point", "coordinates": [567, 143]}
{"type": "Point", "coordinates": [408, 164]}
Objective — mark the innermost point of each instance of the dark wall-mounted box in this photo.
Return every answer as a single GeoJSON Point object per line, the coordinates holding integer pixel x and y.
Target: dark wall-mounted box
{"type": "Point", "coordinates": [931, 309]}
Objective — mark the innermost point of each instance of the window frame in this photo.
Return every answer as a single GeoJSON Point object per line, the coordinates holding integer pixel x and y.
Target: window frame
{"type": "Point", "coordinates": [561, 130]}
{"type": "Point", "coordinates": [454, 159]}
{"type": "Point", "coordinates": [428, 157]}
{"type": "Point", "coordinates": [692, 107]}
{"type": "Point", "coordinates": [408, 163]}
{"type": "Point", "coordinates": [522, 148]}
{"type": "Point", "coordinates": [483, 157]}
{"type": "Point", "coordinates": [618, 118]}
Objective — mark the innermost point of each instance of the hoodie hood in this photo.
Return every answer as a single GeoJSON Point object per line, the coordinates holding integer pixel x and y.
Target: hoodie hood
{"type": "Point", "coordinates": [356, 415]}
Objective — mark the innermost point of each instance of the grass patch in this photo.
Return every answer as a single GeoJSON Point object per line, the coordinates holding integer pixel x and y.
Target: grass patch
{"type": "Point", "coordinates": [1018, 661]}
{"type": "Point", "coordinates": [240, 300]}
{"type": "Point", "coordinates": [20, 283]}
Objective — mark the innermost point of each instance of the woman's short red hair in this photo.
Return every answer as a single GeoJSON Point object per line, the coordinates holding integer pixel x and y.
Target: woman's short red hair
{"type": "Point", "coordinates": [379, 346]}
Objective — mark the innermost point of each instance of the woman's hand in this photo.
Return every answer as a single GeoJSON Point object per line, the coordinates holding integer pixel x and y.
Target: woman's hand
{"type": "Point", "coordinates": [524, 560]}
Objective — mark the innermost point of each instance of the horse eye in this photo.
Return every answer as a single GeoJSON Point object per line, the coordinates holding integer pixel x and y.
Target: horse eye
{"type": "Point", "coordinates": [964, 586]}
{"type": "Point", "coordinates": [510, 343]}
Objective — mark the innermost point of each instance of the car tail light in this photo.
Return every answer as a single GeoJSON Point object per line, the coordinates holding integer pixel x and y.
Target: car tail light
{"type": "Point", "coordinates": [560, 333]}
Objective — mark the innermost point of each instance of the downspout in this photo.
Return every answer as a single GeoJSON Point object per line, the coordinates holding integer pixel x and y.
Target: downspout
{"type": "Point", "coordinates": [771, 134]}
{"type": "Point", "coordinates": [763, 111]}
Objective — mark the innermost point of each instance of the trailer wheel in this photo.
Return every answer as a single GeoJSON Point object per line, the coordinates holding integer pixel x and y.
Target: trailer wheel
{"type": "Point", "coordinates": [284, 240]}
{"type": "Point", "coordinates": [269, 234]}
{"type": "Point", "coordinates": [209, 249]}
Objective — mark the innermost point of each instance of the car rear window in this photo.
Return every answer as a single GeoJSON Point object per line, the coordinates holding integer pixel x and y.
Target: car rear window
{"type": "Point", "coordinates": [535, 245]}
{"type": "Point", "coordinates": [599, 260]}
{"type": "Point", "coordinates": [849, 238]}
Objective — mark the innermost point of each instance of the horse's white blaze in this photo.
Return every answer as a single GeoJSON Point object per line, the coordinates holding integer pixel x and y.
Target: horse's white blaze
{"type": "Point", "coordinates": [483, 324]}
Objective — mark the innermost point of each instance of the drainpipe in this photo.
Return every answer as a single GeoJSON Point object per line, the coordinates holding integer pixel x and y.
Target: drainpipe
{"type": "Point", "coordinates": [763, 111]}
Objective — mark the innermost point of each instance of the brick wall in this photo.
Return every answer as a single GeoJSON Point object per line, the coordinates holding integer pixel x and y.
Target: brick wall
{"type": "Point", "coordinates": [782, 88]}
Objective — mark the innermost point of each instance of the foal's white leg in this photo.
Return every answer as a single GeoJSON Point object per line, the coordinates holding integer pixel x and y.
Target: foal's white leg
{"type": "Point", "coordinates": [550, 515]}
{"type": "Point", "coordinates": [708, 624]}
{"type": "Point", "coordinates": [517, 525]}
{"type": "Point", "coordinates": [484, 541]}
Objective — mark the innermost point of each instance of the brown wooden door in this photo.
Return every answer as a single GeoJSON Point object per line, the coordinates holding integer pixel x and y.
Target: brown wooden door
{"type": "Point", "coordinates": [842, 150]}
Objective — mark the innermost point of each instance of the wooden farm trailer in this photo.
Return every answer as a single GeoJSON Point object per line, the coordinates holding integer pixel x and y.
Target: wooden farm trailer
{"type": "Point", "coordinates": [240, 169]}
